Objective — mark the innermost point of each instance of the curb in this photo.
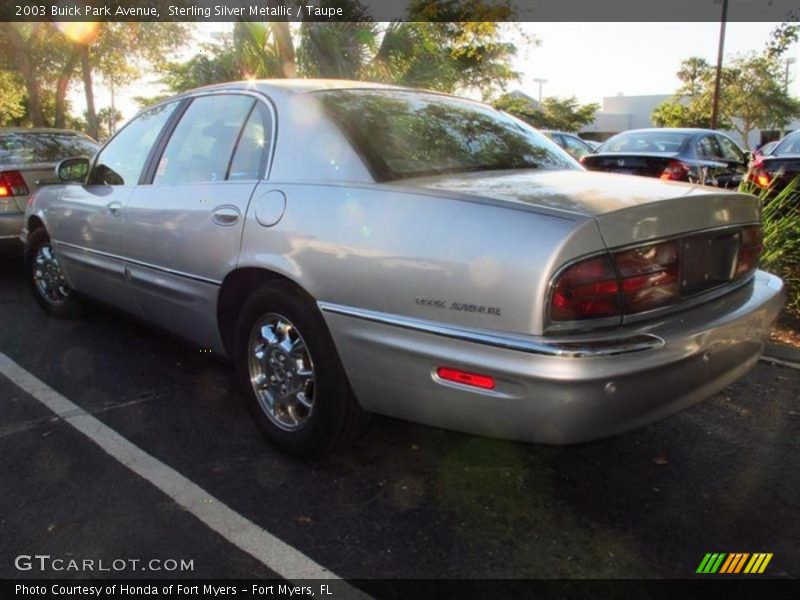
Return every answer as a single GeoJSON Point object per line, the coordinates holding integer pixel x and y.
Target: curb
{"type": "Point", "coordinates": [782, 355]}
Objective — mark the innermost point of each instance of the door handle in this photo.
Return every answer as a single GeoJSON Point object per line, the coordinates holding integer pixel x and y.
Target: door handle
{"type": "Point", "coordinates": [225, 215]}
{"type": "Point", "coordinates": [114, 208]}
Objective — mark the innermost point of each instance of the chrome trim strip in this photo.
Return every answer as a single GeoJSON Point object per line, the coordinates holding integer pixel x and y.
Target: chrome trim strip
{"type": "Point", "coordinates": [139, 263]}
{"type": "Point", "coordinates": [521, 343]}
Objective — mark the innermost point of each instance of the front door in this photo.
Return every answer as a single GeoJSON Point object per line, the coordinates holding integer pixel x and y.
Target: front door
{"type": "Point", "coordinates": [86, 223]}
{"type": "Point", "coordinates": [183, 231]}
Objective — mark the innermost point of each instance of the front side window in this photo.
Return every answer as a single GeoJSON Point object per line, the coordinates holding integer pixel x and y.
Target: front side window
{"type": "Point", "coordinates": [201, 147]}
{"type": "Point", "coordinates": [403, 134]}
{"type": "Point", "coordinates": [730, 151]}
{"type": "Point", "coordinates": [122, 160]}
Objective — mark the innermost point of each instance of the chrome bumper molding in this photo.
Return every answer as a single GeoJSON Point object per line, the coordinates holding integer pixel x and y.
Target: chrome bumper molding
{"type": "Point", "coordinates": [521, 343]}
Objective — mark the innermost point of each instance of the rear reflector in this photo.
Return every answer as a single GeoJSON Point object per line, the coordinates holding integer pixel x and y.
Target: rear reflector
{"type": "Point", "coordinates": [473, 379]}
{"type": "Point", "coordinates": [675, 171]}
{"type": "Point", "coordinates": [12, 184]}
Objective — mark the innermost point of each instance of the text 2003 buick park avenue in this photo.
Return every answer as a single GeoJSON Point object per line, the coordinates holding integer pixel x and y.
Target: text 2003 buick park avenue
{"type": "Point", "coordinates": [355, 248]}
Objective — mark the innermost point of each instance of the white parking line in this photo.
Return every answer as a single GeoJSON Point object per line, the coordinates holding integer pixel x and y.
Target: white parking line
{"type": "Point", "coordinates": [283, 559]}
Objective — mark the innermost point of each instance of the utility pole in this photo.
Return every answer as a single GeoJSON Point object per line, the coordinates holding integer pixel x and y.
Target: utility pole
{"type": "Point", "coordinates": [541, 82]}
{"type": "Point", "coordinates": [720, 51]}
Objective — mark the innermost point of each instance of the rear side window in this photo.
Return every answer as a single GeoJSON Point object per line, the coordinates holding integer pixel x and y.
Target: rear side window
{"type": "Point", "coordinates": [122, 160]}
{"type": "Point", "coordinates": [24, 148]}
{"type": "Point", "coordinates": [250, 156]}
{"type": "Point", "coordinates": [201, 147]}
{"type": "Point", "coordinates": [402, 134]}
{"type": "Point", "coordinates": [707, 147]}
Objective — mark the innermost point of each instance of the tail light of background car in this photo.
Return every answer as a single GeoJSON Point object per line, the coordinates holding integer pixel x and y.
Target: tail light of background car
{"type": "Point", "coordinates": [12, 184]}
{"type": "Point", "coordinates": [634, 281]}
{"type": "Point", "coordinates": [758, 174]}
{"type": "Point", "coordinates": [675, 171]}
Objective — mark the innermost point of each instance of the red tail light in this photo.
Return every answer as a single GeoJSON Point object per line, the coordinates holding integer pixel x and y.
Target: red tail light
{"type": "Point", "coordinates": [675, 171]}
{"type": "Point", "coordinates": [481, 381]}
{"type": "Point", "coordinates": [586, 290]}
{"type": "Point", "coordinates": [758, 174]}
{"type": "Point", "coordinates": [750, 247]}
{"type": "Point", "coordinates": [12, 184]}
{"type": "Point", "coordinates": [582, 160]}
{"type": "Point", "coordinates": [649, 276]}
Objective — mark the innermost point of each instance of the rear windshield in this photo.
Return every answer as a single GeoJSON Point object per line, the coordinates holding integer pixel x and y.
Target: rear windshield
{"type": "Point", "coordinates": [789, 145]}
{"type": "Point", "coordinates": [410, 134]}
{"type": "Point", "coordinates": [22, 148]}
{"type": "Point", "coordinates": [645, 141]}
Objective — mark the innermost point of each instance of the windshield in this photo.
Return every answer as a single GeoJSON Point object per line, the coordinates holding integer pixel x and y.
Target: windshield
{"type": "Point", "coordinates": [645, 141]}
{"type": "Point", "coordinates": [403, 134]}
{"type": "Point", "coordinates": [26, 148]}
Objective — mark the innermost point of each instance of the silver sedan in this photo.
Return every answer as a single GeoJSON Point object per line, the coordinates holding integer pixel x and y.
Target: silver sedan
{"type": "Point", "coordinates": [355, 248]}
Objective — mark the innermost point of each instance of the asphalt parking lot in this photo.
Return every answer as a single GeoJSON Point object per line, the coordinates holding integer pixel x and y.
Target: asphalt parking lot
{"type": "Point", "coordinates": [406, 502]}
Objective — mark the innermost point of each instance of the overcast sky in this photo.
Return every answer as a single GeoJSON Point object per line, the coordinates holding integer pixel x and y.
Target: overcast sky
{"type": "Point", "coordinates": [587, 60]}
{"type": "Point", "coordinates": [593, 60]}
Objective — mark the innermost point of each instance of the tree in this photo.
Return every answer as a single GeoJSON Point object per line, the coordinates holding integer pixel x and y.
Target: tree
{"type": "Point", "coordinates": [12, 106]}
{"type": "Point", "coordinates": [445, 56]}
{"type": "Point", "coordinates": [562, 114]}
{"type": "Point", "coordinates": [48, 58]}
{"type": "Point", "coordinates": [753, 95]}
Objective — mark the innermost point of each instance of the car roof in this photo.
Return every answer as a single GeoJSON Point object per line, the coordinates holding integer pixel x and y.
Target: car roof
{"type": "Point", "coordinates": [299, 86]}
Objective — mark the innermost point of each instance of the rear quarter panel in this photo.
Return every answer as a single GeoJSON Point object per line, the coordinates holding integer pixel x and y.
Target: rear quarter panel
{"type": "Point", "coordinates": [457, 261]}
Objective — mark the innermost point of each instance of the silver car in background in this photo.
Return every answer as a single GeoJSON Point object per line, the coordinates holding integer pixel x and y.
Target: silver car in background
{"type": "Point", "coordinates": [27, 158]}
{"type": "Point", "coordinates": [356, 248]}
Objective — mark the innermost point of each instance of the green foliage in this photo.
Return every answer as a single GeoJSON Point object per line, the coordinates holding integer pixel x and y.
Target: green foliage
{"type": "Point", "coordinates": [562, 114]}
{"type": "Point", "coordinates": [444, 56]}
{"type": "Point", "coordinates": [12, 100]}
{"type": "Point", "coordinates": [781, 223]}
{"type": "Point", "coordinates": [753, 95]}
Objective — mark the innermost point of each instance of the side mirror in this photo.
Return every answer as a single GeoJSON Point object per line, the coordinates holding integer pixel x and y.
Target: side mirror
{"type": "Point", "coordinates": [73, 169]}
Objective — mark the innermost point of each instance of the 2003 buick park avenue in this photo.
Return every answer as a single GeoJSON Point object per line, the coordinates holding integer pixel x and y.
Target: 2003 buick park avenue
{"type": "Point", "coordinates": [355, 248]}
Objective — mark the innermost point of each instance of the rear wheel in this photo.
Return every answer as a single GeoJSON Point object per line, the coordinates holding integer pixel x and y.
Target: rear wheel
{"type": "Point", "coordinates": [291, 374]}
{"type": "Point", "coordinates": [46, 279]}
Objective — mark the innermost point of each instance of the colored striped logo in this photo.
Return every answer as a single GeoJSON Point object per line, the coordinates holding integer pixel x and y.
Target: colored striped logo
{"type": "Point", "coordinates": [734, 563]}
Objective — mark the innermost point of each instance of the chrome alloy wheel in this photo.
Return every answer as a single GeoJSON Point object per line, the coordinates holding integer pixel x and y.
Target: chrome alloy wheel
{"type": "Point", "coordinates": [48, 276]}
{"type": "Point", "coordinates": [281, 372]}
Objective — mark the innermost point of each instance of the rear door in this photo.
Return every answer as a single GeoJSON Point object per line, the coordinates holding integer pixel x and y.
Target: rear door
{"type": "Point", "coordinates": [183, 231]}
{"type": "Point", "coordinates": [86, 223]}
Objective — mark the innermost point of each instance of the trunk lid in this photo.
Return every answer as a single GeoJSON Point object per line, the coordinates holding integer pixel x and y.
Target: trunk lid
{"type": "Point", "coordinates": [781, 170]}
{"type": "Point", "coordinates": [627, 209]}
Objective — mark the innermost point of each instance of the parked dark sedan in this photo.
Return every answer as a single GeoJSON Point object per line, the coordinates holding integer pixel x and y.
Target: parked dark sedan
{"type": "Point", "coordinates": [27, 158]}
{"type": "Point", "coordinates": [695, 155]}
{"type": "Point", "coordinates": [779, 168]}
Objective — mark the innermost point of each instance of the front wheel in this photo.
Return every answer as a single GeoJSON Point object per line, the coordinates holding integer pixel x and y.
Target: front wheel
{"type": "Point", "coordinates": [291, 374]}
{"type": "Point", "coordinates": [46, 280]}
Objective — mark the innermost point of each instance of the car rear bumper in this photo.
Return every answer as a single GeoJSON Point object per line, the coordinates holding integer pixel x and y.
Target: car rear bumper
{"type": "Point", "coordinates": [548, 393]}
{"type": "Point", "coordinates": [11, 225]}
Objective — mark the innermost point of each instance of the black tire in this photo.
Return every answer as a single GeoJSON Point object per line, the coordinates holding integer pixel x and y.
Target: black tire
{"type": "Point", "coordinates": [67, 308]}
{"type": "Point", "coordinates": [336, 419]}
